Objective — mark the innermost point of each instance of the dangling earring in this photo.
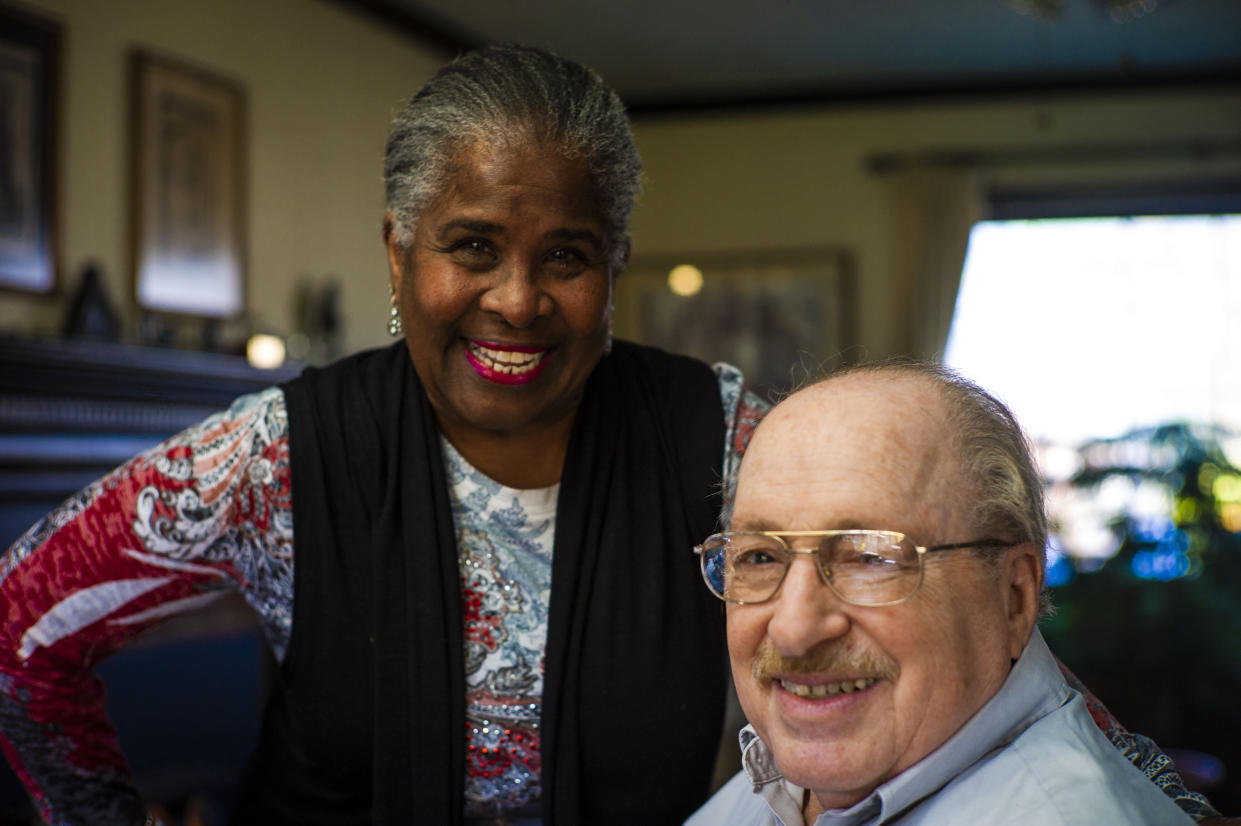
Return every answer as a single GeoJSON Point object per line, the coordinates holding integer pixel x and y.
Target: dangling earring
{"type": "Point", "coordinates": [394, 317]}
{"type": "Point", "coordinates": [607, 344]}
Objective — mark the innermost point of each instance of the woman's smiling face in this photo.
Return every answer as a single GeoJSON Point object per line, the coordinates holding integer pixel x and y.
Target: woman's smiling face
{"type": "Point", "coordinates": [505, 291]}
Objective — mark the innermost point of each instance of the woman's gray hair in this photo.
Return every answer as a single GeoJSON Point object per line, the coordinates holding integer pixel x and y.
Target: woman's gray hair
{"type": "Point", "coordinates": [503, 95]}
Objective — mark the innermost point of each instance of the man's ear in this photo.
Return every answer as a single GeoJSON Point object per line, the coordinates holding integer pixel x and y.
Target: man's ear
{"type": "Point", "coordinates": [1022, 580]}
{"type": "Point", "coordinates": [396, 253]}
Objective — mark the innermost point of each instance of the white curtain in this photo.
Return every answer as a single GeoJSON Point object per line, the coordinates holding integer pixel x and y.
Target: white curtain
{"type": "Point", "coordinates": [936, 206]}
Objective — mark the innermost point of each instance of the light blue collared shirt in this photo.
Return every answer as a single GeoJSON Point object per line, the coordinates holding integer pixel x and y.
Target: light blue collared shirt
{"type": "Point", "coordinates": [1031, 755]}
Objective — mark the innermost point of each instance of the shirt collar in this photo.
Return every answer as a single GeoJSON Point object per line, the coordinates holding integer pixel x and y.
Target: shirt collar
{"type": "Point", "coordinates": [1034, 687]}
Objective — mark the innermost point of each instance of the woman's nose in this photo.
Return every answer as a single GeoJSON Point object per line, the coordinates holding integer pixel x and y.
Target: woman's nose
{"type": "Point", "coordinates": [516, 296]}
{"type": "Point", "coordinates": [806, 612]}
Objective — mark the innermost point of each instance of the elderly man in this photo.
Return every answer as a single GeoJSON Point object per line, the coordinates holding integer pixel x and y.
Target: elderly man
{"type": "Point", "coordinates": [883, 577]}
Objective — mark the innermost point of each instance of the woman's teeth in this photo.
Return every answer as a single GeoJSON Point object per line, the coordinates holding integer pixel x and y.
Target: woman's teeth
{"type": "Point", "coordinates": [507, 361]}
{"type": "Point", "coordinates": [820, 691]}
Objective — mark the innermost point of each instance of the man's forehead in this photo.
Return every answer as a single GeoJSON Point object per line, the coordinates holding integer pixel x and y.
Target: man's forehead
{"type": "Point", "coordinates": [886, 415]}
{"type": "Point", "coordinates": [853, 449]}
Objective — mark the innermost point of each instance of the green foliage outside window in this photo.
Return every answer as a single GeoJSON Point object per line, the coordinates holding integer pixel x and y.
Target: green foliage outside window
{"type": "Point", "coordinates": [1155, 629]}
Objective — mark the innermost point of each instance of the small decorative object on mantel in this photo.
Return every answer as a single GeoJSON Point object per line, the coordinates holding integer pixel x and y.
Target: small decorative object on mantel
{"type": "Point", "coordinates": [188, 167]}
{"type": "Point", "coordinates": [157, 330]}
{"type": "Point", "coordinates": [318, 329]}
{"type": "Point", "coordinates": [91, 315]}
{"type": "Point", "coordinates": [265, 351]}
{"type": "Point", "coordinates": [225, 335]}
{"type": "Point", "coordinates": [29, 48]}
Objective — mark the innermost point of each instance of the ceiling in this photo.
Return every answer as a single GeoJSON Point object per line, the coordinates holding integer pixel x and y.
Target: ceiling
{"type": "Point", "coordinates": [674, 54]}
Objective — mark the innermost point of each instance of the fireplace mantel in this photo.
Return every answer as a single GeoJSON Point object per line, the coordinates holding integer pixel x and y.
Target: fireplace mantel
{"type": "Point", "coordinates": [71, 411]}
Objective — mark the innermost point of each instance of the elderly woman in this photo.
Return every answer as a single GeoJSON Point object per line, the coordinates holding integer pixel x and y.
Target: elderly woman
{"type": "Point", "coordinates": [436, 490]}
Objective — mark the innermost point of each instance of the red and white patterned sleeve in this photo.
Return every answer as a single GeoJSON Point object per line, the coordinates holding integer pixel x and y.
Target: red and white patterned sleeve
{"type": "Point", "coordinates": [202, 514]}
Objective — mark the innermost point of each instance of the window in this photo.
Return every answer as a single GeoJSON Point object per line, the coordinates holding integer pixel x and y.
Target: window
{"type": "Point", "coordinates": [1117, 343]}
{"type": "Point", "coordinates": [1092, 327]}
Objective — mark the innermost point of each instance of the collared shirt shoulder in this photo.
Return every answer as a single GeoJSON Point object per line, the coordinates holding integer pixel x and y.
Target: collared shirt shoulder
{"type": "Point", "coordinates": [1059, 772]}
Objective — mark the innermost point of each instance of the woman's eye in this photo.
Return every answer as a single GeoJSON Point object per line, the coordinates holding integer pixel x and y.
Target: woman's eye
{"type": "Point", "coordinates": [567, 260]}
{"type": "Point", "coordinates": [473, 249]}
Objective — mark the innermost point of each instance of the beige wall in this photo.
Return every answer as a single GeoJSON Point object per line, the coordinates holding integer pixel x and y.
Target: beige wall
{"type": "Point", "coordinates": [799, 178]}
{"type": "Point", "coordinates": [323, 84]}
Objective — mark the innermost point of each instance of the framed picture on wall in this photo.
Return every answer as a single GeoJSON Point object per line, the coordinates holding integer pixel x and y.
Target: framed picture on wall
{"type": "Point", "coordinates": [781, 317]}
{"type": "Point", "coordinates": [29, 55]}
{"type": "Point", "coordinates": [188, 177]}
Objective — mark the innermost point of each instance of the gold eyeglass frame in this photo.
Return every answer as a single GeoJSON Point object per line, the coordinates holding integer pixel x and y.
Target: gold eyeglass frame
{"type": "Point", "coordinates": [825, 574]}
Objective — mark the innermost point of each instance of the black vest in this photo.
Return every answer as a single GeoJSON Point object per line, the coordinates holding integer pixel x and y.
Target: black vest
{"type": "Point", "coordinates": [366, 724]}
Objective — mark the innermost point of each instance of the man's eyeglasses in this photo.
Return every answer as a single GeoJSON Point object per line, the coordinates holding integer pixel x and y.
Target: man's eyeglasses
{"type": "Point", "coordinates": [860, 567]}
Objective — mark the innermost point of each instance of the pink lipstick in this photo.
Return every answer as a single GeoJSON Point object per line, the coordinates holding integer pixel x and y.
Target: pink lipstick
{"type": "Point", "coordinates": [508, 364]}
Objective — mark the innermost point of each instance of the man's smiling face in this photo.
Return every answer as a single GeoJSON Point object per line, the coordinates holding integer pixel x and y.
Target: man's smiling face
{"type": "Point", "coordinates": [847, 696]}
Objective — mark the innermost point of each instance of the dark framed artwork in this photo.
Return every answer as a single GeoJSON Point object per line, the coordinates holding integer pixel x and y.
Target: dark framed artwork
{"type": "Point", "coordinates": [188, 175]}
{"type": "Point", "coordinates": [29, 58]}
{"type": "Point", "coordinates": [779, 316]}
